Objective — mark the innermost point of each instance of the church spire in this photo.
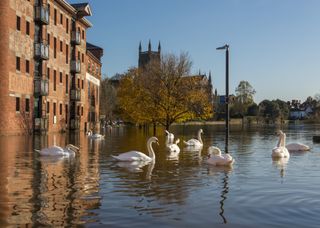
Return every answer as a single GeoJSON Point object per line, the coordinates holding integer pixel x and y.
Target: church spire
{"type": "Point", "coordinates": [159, 47]}
{"type": "Point", "coordinates": [140, 48]}
{"type": "Point", "coordinates": [210, 81]}
{"type": "Point", "coordinates": [149, 46]}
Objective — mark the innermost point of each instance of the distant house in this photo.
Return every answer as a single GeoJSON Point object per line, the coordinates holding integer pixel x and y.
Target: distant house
{"type": "Point", "coordinates": [299, 111]}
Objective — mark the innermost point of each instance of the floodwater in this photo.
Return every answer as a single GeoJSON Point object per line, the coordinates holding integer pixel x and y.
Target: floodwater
{"type": "Point", "coordinates": [92, 190]}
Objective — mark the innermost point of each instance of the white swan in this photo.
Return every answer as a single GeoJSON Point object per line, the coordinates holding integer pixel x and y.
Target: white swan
{"type": "Point", "coordinates": [297, 147]}
{"type": "Point", "coordinates": [216, 158]}
{"type": "Point", "coordinates": [94, 135]}
{"type": "Point", "coordinates": [173, 149]}
{"type": "Point", "coordinates": [69, 150]}
{"type": "Point", "coordinates": [280, 151]}
{"type": "Point", "coordinates": [195, 142]}
{"type": "Point", "coordinates": [139, 156]}
{"type": "Point", "coordinates": [169, 137]}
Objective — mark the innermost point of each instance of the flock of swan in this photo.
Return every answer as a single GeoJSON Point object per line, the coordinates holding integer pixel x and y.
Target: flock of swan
{"type": "Point", "coordinates": [215, 156]}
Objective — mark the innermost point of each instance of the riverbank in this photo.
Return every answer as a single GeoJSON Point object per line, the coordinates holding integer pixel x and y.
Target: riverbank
{"type": "Point", "coordinates": [232, 122]}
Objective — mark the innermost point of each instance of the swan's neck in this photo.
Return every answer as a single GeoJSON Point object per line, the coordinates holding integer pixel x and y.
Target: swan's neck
{"type": "Point", "coordinates": [150, 150]}
{"type": "Point", "coordinates": [279, 141]}
{"type": "Point", "coordinates": [283, 143]}
{"type": "Point", "coordinates": [199, 137]}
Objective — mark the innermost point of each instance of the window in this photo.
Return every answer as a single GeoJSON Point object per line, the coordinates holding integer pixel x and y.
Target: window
{"type": "Point", "coordinates": [17, 104]}
{"type": "Point", "coordinates": [83, 34]}
{"type": "Point", "coordinates": [82, 57]}
{"type": "Point", "coordinates": [78, 110]}
{"type": "Point", "coordinates": [18, 63]}
{"type": "Point", "coordinates": [61, 18]}
{"type": "Point", "coordinates": [28, 28]}
{"type": "Point", "coordinates": [48, 72]}
{"type": "Point", "coordinates": [55, 47]}
{"type": "Point", "coordinates": [27, 105]}
{"type": "Point", "coordinates": [61, 48]}
{"type": "Point", "coordinates": [60, 77]}
{"type": "Point", "coordinates": [81, 110]}
{"type": "Point", "coordinates": [79, 83]}
{"type": "Point", "coordinates": [78, 55]}
{"type": "Point", "coordinates": [82, 84]}
{"type": "Point", "coordinates": [67, 53]}
{"type": "Point", "coordinates": [55, 17]}
{"type": "Point", "coordinates": [48, 107]}
{"type": "Point", "coordinates": [54, 108]}
{"type": "Point", "coordinates": [48, 38]}
{"type": "Point", "coordinates": [67, 25]}
{"type": "Point", "coordinates": [18, 23]}
{"type": "Point", "coordinates": [54, 80]}
{"type": "Point", "coordinates": [60, 109]}
{"type": "Point", "coordinates": [67, 83]}
{"type": "Point", "coordinates": [66, 114]}
{"type": "Point", "coordinates": [27, 66]}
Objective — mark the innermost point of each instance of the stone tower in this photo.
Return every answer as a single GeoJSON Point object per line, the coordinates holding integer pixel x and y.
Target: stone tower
{"type": "Point", "coordinates": [146, 57]}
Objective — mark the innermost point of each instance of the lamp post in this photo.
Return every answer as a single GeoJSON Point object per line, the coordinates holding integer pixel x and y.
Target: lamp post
{"type": "Point", "coordinates": [226, 47]}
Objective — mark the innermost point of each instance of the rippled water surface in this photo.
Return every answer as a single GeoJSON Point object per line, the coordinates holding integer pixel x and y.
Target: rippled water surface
{"type": "Point", "coordinates": [93, 190]}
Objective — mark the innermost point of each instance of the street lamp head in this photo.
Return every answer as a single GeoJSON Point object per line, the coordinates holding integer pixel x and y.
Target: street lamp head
{"type": "Point", "coordinates": [225, 47]}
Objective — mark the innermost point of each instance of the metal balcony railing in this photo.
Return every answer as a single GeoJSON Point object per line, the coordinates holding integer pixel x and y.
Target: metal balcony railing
{"type": "Point", "coordinates": [75, 95]}
{"type": "Point", "coordinates": [41, 86]}
{"type": "Point", "coordinates": [41, 50]}
{"type": "Point", "coordinates": [42, 14]}
{"type": "Point", "coordinates": [75, 66]}
{"type": "Point", "coordinates": [75, 37]}
{"type": "Point", "coordinates": [75, 123]}
{"type": "Point", "coordinates": [41, 124]}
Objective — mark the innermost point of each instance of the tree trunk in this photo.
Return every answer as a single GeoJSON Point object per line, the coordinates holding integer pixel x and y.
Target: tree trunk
{"type": "Point", "coordinates": [154, 128]}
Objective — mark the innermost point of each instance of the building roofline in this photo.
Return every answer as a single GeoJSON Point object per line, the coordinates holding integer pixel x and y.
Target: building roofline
{"type": "Point", "coordinates": [73, 11]}
{"type": "Point", "coordinates": [93, 57]}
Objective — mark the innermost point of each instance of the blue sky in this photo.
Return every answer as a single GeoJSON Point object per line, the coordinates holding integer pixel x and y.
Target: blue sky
{"type": "Point", "coordinates": [274, 44]}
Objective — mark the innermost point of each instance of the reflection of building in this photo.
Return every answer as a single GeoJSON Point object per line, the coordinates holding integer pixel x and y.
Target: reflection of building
{"type": "Point", "coordinates": [54, 192]}
{"type": "Point", "coordinates": [43, 62]}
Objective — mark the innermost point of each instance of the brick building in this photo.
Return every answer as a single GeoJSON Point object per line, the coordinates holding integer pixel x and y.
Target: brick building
{"type": "Point", "coordinates": [44, 58]}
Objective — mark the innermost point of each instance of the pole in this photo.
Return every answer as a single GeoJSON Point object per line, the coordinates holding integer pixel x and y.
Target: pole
{"type": "Point", "coordinates": [227, 98]}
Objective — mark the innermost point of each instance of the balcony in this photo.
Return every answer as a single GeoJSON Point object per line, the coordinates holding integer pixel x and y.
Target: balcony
{"type": "Point", "coordinates": [75, 37]}
{"type": "Point", "coordinates": [42, 14]}
{"type": "Point", "coordinates": [41, 87]}
{"type": "Point", "coordinates": [75, 95]}
{"type": "Point", "coordinates": [41, 50]}
{"type": "Point", "coordinates": [41, 124]}
{"type": "Point", "coordinates": [75, 66]}
{"type": "Point", "coordinates": [75, 123]}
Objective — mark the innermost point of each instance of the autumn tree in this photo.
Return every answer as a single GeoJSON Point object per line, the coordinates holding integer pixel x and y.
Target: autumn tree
{"type": "Point", "coordinates": [164, 93]}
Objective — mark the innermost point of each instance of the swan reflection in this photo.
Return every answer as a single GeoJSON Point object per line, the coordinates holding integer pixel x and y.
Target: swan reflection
{"type": "Point", "coordinates": [281, 164]}
{"type": "Point", "coordinates": [135, 166]}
